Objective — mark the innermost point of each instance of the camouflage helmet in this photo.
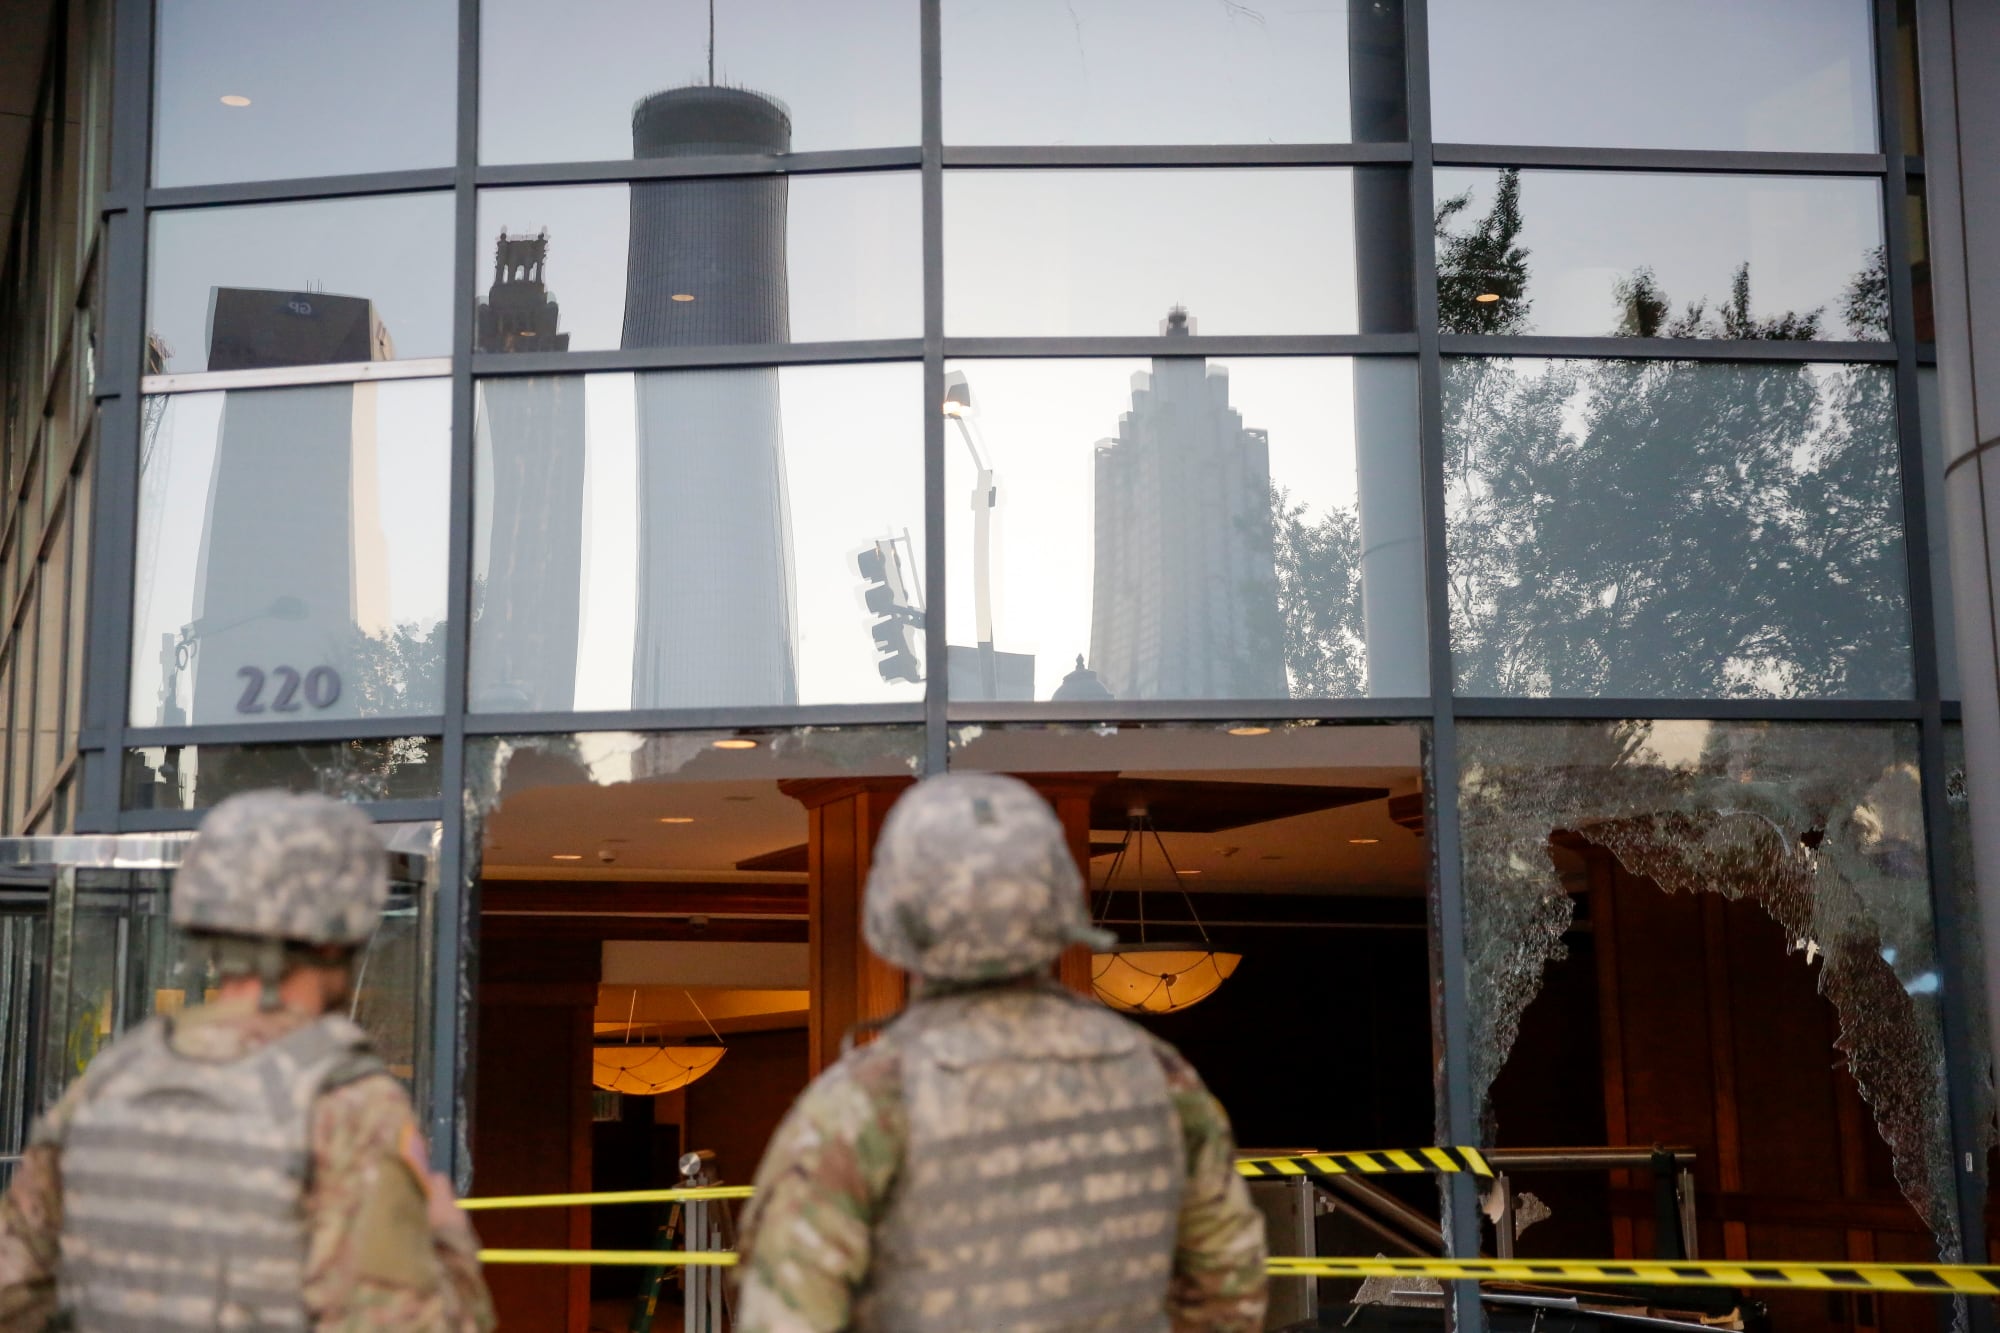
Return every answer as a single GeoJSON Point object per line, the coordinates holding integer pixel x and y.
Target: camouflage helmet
{"type": "Point", "coordinates": [278, 866]}
{"type": "Point", "coordinates": [973, 881]}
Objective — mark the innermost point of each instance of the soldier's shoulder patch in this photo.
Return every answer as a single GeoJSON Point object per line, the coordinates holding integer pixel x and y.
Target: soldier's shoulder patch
{"type": "Point", "coordinates": [392, 1243]}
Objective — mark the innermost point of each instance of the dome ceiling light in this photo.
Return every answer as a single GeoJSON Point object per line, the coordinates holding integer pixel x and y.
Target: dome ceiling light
{"type": "Point", "coordinates": [1154, 976]}
{"type": "Point", "coordinates": [647, 1069]}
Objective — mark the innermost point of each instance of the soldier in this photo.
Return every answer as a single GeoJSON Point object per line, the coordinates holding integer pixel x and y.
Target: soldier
{"type": "Point", "coordinates": [1008, 1155]}
{"type": "Point", "coordinates": [248, 1162]}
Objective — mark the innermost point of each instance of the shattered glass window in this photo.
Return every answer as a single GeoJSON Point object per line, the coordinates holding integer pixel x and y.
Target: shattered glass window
{"type": "Point", "coordinates": [195, 777]}
{"type": "Point", "coordinates": [1673, 529]}
{"type": "Point", "coordinates": [1819, 825]}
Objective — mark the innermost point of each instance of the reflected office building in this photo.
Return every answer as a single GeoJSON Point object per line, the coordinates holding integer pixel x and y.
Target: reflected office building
{"type": "Point", "coordinates": [1185, 593]}
{"type": "Point", "coordinates": [717, 620]}
{"type": "Point", "coordinates": [293, 569]}
{"type": "Point", "coordinates": [530, 434]}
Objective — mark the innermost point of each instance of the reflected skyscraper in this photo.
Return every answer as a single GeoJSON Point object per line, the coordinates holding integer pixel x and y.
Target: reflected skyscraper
{"type": "Point", "coordinates": [1185, 593]}
{"type": "Point", "coordinates": [530, 437]}
{"type": "Point", "coordinates": [716, 615]}
{"type": "Point", "coordinates": [293, 571]}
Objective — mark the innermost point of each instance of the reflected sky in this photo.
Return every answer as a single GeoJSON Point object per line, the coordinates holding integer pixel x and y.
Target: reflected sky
{"type": "Point", "coordinates": [394, 250]}
{"type": "Point", "coordinates": [396, 520]}
{"type": "Point", "coordinates": [1773, 75]}
{"type": "Point", "coordinates": [854, 249]}
{"type": "Point", "coordinates": [362, 85]}
{"type": "Point", "coordinates": [558, 84]}
{"type": "Point", "coordinates": [1805, 239]}
{"type": "Point", "coordinates": [1041, 424]}
{"type": "Point", "coordinates": [1053, 253]}
{"type": "Point", "coordinates": [1144, 72]}
{"type": "Point", "coordinates": [853, 465]}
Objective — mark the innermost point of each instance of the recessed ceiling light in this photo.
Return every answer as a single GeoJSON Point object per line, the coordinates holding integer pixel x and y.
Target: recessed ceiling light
{"type": "Point", "coordinates": [235, 99]}
{"type": "Point", "coordinates": [1487, 298]}
{"type": "Point", "coordinates": [1249, 731]}
{"type": "Point", "coordinates": [1362, 842]}
{"type": "Point", "coordinates": [735, 743]}
{"type": "Point", "coordinates": [1187, 872]}
{"type": "Point", "coordinates": [567, 856]}
{"type": "Point", "coordinates": [683, 296]}
{"type": "Point", "coordinates": [677, 819]}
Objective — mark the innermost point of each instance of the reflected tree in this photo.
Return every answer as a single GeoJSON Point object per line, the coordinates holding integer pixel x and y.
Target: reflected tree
{"type": "Point", "coordinates": [1318, 565]}
{"type": "Point", "coordinates": [1482, 270]}
{"type": "Point", "coordinates": [1665, 528]}
{"type": "Point", "coordinates": [398, 670]}
{"type": "Point", "coordinates": [1644, 311]}
{"type": "Point", "coordinates": [1671, 529]}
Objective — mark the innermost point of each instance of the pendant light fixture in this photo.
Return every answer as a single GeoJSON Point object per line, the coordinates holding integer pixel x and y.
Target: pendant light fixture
{"type": "Point", "coordinates": [1154, 976]}
{"type": "Point", "coordinates": [646, 1069]}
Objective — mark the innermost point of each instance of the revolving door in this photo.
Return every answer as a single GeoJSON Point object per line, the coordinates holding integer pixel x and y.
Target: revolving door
{"type": "Point", "coordinates": [87, 952]}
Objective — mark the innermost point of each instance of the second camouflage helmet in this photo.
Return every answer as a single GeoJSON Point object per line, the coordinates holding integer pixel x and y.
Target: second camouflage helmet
{"type": "Point", "coordinates": [279, 866]}
{"type": "Point", "coordinates": [973, 881]}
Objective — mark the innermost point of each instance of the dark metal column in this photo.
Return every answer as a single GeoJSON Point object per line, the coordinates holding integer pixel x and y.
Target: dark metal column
{"type": "Point", "coordinates": [1457, 1101]}
{"type": "Point", "coordinates": [454, 997]}
{"type": "Point", "coordinates": [114, 517]}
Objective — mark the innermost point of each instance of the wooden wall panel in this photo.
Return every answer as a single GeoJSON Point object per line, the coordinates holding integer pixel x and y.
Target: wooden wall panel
{"type": "Point", "coordinates": [1708, 1033]}
{"type": "Point", "coordinates": [531, 1126]}
{"type": "Point", "coordinates": [850, 985]}
{"type": "Point", "coordinates": [735, 1110]}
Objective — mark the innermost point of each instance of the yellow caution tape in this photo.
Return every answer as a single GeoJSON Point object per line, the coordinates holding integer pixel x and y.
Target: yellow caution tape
{"type": "Point", "coordinates": [1922, 1279]}
{"type": "Point", "coordinates": [1393, 1161]}
{"type": "Point", "coordinates": [1938, 1279]}
{"type": "Point", "coordinates": [634, 1258]}
{"type": "Point", "coordinates": [624, 1196]}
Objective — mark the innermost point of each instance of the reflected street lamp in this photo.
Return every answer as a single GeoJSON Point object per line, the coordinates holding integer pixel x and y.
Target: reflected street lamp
{"type": "Point", "coordinates": [958, 406]}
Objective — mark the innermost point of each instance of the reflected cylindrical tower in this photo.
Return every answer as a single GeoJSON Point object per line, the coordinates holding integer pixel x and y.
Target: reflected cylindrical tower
{"type": "Point", "coordinates": [720, 240]}
{"type": "Point", "coordinates": [716, 616]}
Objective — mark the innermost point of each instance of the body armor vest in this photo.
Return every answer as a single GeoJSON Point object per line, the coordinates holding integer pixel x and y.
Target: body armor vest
{"type": "Point", "coordinates": [1042, 1173]}
{"type": "Point", "coordinates": [184, 1180]}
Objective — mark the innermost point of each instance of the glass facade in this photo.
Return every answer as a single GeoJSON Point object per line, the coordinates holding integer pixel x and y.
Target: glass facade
{"type": "Point", "coordinates": [915, 384]}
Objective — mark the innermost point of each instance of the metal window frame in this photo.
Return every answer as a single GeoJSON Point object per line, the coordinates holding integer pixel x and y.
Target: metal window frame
{"type": "Point", "coordinates": [106, 734]}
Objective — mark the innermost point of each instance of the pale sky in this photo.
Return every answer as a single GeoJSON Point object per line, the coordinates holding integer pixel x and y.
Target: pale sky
{"type": "Point", "coordinates": [1040, 253]}
{"type": "Point", "coordinates": [1144, 72]}
{"type": "Point", "coordinates": [567, 75]}
{"type": "Point", "coordinates": [1773, 75]}
{"type": "Point", "coordinates": [370, 85]}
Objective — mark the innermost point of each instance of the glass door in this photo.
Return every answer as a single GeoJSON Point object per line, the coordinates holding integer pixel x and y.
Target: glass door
{"type": "Point", "coordinates": [87, 952]}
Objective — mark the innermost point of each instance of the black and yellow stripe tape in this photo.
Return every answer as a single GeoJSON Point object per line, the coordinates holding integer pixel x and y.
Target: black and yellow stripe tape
{"type": "Point", "coordinates": [1919, 1279]}
{"type": "Point", "coordinates": [1381, 1162]}
{"type": "Point", "coordinates": [1389, 1162]}
{"type": "Point", "coordinates": [1932, 1279]}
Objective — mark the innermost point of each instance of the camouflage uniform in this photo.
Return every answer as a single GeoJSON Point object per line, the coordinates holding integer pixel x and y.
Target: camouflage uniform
{"type": "Point", "coordinates": [242, 1164]}
{"type": "Point", "coordinates": [1007, 1156]}
{"type": "Point", "coordinates": [372, 1260]}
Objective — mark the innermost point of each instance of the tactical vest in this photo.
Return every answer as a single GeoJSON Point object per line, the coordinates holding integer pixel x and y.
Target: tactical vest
{"type": "Point", "coordinates": [184, 1180]}
{"type": "Point", "coordinates": [1041, 1179]}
